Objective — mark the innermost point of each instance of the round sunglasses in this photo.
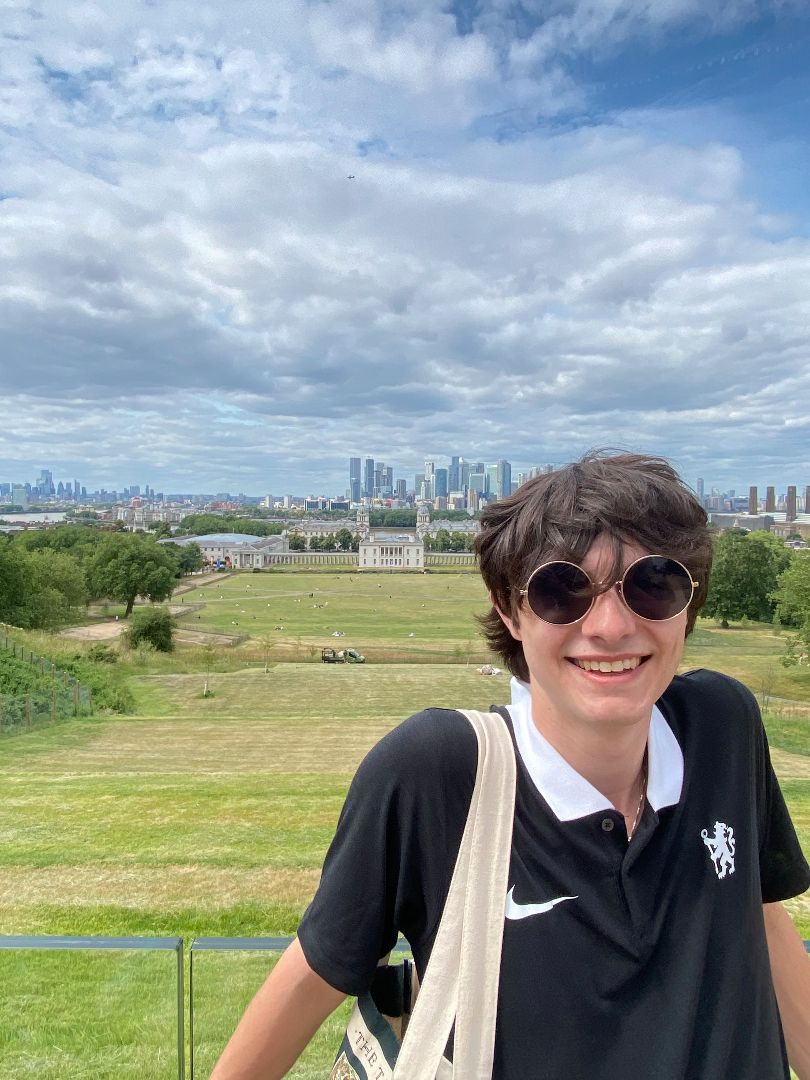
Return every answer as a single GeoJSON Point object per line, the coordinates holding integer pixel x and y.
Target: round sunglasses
{"type": "Point", "coordinates": [653, 587]}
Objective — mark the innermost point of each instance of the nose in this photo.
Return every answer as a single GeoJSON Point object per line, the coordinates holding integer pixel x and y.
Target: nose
{"type": "Point", "coordinates": [609, 618]}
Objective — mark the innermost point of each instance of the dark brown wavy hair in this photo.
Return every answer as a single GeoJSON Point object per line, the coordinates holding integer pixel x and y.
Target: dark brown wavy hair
{"type": "Point", "coordinates": [629, 498]}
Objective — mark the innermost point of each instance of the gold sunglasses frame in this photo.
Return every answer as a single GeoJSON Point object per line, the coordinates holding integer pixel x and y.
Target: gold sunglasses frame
{"type": "Point", "coordinates": [605, 586]}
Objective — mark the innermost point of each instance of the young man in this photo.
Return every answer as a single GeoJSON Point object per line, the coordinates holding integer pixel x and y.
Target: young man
{"type": "Point", "coordinates": [644, 933]}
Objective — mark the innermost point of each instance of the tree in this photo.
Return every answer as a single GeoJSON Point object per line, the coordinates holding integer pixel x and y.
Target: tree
{"type": "Point", "coordinates": [297, 542]}
{"type": "Point", "coordinates": [153, 626]}
{"type": "Point", "coordinates": [56, 591]}
{"type": "Point", "coordinates": [343, 538]}
{"type": "Point", "coordinates": [744, 575]}
{"type": "Point", "coordinates": [40, 590]}
{"type": "Point", "coordinates": [400, 519]}
{"type": "Point", "coordinates": [14, 581]}
{"type": "Point", "coordinates": [161, 529]}
{"type": "Point", "coordinates": [127, 566]}
{"type": "Point", "coordinates": [209, 656]}
{"type": "Point", "coordinates": [792, 592]}
{"type": "Point", "coordinates": [267, 644]}
{"type": "Point", "coordinates": [189, 558]}
{"type": "Point", "coordinates": [78, 540]}
{"type": "Point", "coordinates": [441, 541]}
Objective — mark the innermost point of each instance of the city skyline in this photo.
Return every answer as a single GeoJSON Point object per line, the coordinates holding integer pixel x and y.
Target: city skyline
{"type": "Point", "coordinates": [239, 249]}
{"type": "Point", "coordinates": [409, 481]}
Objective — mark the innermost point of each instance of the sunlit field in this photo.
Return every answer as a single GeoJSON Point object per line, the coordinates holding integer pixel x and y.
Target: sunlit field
{"type": "Point", "coordinates": [210, 816]}
{"type": "Point", "coordinates": [384, 616]}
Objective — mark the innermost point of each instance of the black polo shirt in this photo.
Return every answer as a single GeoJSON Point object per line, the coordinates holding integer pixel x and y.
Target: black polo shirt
{"type": "Point", "coordinates": [639, 961]}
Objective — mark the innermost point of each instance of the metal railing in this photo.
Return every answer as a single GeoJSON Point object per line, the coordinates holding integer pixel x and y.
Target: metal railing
{"type": "Point", "coordinates": [158, 944]}
{"type": "Point", "coordinates": [172, 944]}
{"type": "Point", "coordinates": [236, 944]}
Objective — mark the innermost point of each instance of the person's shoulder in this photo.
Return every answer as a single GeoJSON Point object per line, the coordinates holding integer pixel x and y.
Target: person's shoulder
{"type": "Point", "coordinates": [706, 691]}
{"type": "Point", "coordinates": [429, 743]}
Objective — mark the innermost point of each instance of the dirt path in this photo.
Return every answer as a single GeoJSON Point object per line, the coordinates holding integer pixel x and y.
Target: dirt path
{"type": "Point", "coordinates": [190, 584]}
{"type": "Point", "coordinates": [104, 631]}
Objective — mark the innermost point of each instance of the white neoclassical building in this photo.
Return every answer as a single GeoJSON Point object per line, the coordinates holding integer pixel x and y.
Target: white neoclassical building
{"type": "Point", "coordinates": [387, 549]}
{"type": "Point", "coordinates": [394, 551]}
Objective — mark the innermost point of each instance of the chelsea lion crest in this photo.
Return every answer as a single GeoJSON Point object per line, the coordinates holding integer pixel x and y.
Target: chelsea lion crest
{"type": "Point", "coordinates": [721, 847]}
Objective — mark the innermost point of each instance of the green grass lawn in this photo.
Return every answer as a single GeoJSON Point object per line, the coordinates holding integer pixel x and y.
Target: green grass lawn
{"type": "Point", "coordinates": [210, 817]}
{"type": "Point", "coordinates": [207, 818]}
{"type": "Point", "coordinates": [384, 616]}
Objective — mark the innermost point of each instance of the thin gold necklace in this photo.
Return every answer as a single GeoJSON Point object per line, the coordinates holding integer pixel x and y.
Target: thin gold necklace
{"type": "Point", "coordinates": [641, 799]}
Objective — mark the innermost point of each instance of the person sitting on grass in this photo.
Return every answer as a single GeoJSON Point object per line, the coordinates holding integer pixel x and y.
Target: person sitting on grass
{"type": "Point", "coordinates": [644, 931]}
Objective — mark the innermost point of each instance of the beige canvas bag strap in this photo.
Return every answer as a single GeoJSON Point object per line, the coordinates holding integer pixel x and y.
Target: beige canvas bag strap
{"type": "Point", "coordinates": [461, 980]}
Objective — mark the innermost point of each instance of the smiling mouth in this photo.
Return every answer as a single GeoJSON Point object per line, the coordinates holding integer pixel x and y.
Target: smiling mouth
{"type": "Point", "coordinates": [608, 666]}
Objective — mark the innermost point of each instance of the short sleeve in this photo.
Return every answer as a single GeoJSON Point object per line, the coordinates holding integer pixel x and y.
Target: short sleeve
{"type": "Point", "coordinates": [389, 866]}
{"type": "Point", "coordinates": [783, 868]}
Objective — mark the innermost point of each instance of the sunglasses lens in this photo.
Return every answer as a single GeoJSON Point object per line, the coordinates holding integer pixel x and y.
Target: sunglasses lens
{"type": "Point", "coordinates": [560, 593]}
{"type": "Point", "coordinates": [657, 588]}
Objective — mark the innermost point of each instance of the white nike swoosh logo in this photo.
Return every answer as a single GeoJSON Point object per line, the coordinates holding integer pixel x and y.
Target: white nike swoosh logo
{"type": "Point", "coordinates": [514, 910]}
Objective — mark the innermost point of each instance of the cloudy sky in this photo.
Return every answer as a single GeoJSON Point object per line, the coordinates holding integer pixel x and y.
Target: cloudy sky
{"type": "Point", "coordinates": [240, 242]}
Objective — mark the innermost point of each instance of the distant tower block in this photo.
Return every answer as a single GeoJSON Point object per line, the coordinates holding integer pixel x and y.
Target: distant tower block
{"type": "Point", "coordinates": [422, 521]}
{"type": "Point", "coordinates": [753, 501]}
{"type": "Point", "coordinates": [770, 500]}
{"type": "Point", "coordinates": [807, 499]}
{"type": "Point", "coordinates": [791, 503]}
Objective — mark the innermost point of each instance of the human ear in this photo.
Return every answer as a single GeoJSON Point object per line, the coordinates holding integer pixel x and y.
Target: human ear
{"type": "Point", "coordinates": [512, 625]}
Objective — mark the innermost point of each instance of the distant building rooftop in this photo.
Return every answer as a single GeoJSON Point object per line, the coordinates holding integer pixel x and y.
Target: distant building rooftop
{"type": "Point", "coordinates": [217, 538]}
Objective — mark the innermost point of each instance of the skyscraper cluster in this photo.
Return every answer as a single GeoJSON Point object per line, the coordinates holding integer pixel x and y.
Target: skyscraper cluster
{"type": "Point", "coordinates": [462, 484]}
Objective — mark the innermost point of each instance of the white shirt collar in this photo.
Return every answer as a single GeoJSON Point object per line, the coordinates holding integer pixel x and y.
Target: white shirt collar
{"type": "Point", "coordinates": [568, 793]}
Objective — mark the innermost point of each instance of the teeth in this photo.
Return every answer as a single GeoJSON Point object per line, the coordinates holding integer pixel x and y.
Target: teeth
{"type": "Point", "coordinates": [609, 665]}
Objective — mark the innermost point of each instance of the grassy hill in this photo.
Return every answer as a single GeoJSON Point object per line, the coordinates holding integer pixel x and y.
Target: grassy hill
{"type": "Point", "coordinates": [209, 817]}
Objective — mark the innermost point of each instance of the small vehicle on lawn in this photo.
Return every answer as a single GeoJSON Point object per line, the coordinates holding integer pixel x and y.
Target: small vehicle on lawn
{"type": "Point", "coordinates": [342, 656]}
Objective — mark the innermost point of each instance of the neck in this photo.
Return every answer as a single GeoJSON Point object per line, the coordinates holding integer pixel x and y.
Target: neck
{"type": "Point", "coordinates": [610, 760]}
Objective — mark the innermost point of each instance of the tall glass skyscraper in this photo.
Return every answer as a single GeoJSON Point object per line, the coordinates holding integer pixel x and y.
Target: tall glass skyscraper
{"type": "Point", "coordinates": [355, 481]}
{"type": "Point", "coordinates": [503, 479]}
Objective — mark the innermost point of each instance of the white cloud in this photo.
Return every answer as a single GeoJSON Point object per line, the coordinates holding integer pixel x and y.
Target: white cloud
{"type": "Point", "coordinates": [190, 274]}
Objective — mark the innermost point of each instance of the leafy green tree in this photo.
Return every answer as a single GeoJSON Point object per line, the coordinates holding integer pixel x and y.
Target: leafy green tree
{"type": "Point", "coordinates": [792, 592]}
{"type": "Point", "coordinates": [400, 519]}
{"type": "Point", "coordinates": [161, 529]}
{"type": "Point", "coordinates": [343, 538]}
{"type": "Point", "coordinates": [57, 589]}
{"type": "Point", "coordinates": [14, 581]}
{"type": "Point", "coordinates": [201, 524]}
{"type": "Point", "coordinates": [189, 557]}
{"type": "Point", "coordinates": [39, 590]}
{"type": "Point", "coordinates": [153, 626]}
{"type": "Point", "coordinates": [78, 540]}
{"type": "Point", "coordinates": [745, 569]}
{"type": "Point", "coordinates": [441, 541]}
{"type": "Point", "coordinates": [297, 542]}
{"type": "Point", "coordinates": [131, 565]}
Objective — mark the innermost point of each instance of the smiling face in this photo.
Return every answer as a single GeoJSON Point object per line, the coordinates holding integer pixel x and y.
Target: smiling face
{"type": "Point", "coordinates": [606, 670]}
